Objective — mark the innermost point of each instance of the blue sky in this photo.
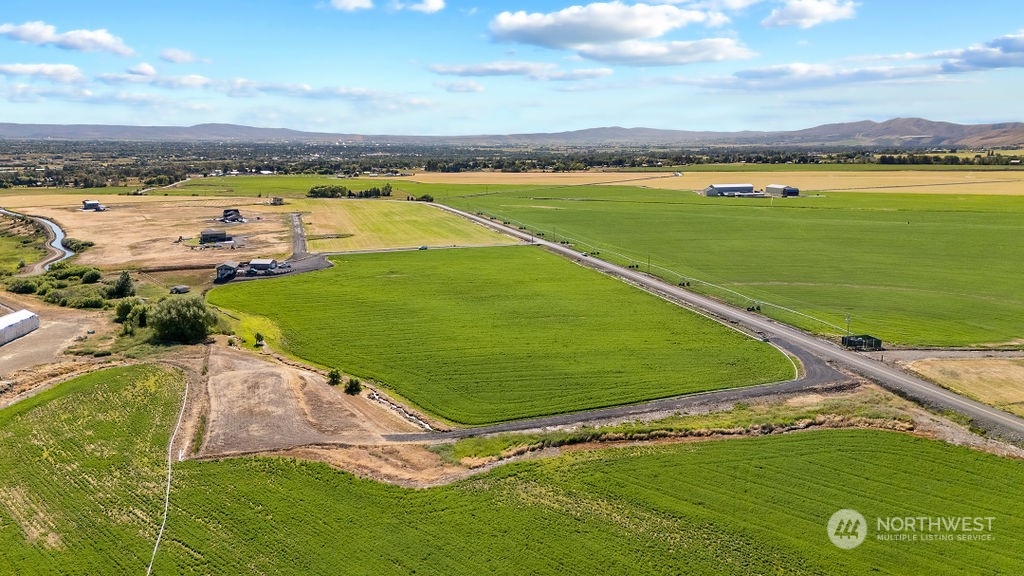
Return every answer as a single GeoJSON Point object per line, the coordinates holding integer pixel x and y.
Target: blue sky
{"type": "Point", "coordinates": [447, 67]}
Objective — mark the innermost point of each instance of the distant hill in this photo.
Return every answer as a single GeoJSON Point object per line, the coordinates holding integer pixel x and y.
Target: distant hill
{"type": "Point", "coordinates": [899, 132]}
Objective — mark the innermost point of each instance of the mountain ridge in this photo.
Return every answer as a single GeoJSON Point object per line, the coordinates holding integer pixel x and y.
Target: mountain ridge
{"type": "Point", "coordinates": [894, 133]}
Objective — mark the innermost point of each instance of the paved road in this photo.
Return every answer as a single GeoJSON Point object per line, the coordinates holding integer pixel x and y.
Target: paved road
{"type": "Point", "coordinates": [813, 351]}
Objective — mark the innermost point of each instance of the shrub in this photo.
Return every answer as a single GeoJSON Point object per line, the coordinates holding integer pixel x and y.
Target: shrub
{"type": "Point", "coordinates": [91, 277]}
{"type": "Point", "coordinates": [354, 386]}
{"type": "Point", "coordinates": [76, 245]}
{"type": "Point", "coordinates": [334, 377]}
{"type": "Point", "coordinates": [186, 320]}
{"type": "Point", "coordinates": [85, 302]}
{"type": "Point", "coordinates": [22, 286]}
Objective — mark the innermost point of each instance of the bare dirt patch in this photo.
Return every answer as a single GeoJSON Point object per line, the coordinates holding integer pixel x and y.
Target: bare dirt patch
{"type": "Point", "coordinates": [142, 231]}
{"type": "Point", "coordinates": [38, 356]}
{"type": "Point", "coordinates": [409, 465]}
{"type": "Point", "coordinates": [260, 406]}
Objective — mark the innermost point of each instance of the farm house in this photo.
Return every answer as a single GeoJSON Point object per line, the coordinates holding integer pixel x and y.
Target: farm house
{"type": "Point", "coordinates": [17, 324]}
{"type": "Point", "coordinates": [729, 189]}
{"type": "Point", "coordinates": [226, 270]}
{"type": "Point", "coordinates": [781, 190]}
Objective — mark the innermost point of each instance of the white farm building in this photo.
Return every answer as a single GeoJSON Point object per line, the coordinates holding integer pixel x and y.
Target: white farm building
{"type": "Point", "coordinates": [729, 189]}
{"type": "Point", "coordinates": [17, 324]}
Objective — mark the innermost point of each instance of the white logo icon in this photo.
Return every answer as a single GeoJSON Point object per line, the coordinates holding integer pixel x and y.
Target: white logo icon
{"type": "Point", "coordinates": [847, 528]}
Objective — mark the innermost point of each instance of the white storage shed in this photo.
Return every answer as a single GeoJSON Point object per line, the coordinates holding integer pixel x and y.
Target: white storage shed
{"type": "Point", "coordinates": [17, 324]}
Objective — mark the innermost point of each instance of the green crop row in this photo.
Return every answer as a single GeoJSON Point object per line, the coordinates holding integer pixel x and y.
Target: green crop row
{"type": "Point", "coordinates": [81, 487]}
{"type": "Point", "coordinates": [82, 471]}
{"type": "Point", "coordinates": [483, 335]}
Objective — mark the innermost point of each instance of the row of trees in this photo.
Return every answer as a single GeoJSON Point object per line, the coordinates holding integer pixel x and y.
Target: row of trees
{"type": "Point", "coordinates": [337, 191]}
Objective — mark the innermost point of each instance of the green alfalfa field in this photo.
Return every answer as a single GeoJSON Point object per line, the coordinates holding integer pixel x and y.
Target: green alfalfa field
{"type": "Point", "coordinates": [915, 269]}
{"type": "Point", "coordinates": [82, 493]}
{"type": "Point", "coordinates": [490, 334]}
{"type": "Point", "coordinates": [912, 269]}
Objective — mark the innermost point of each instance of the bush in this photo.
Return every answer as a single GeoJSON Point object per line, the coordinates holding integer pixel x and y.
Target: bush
{"type": "Point", "coordinates": [123, 308]}
{"type": "Point", "coordinates": [91, 277]}
{"type": "Point", "coordinates": [186, 320]}
{"type": "Point", "coordinates": [76, 245]}
{"type": "Point", "coordinates": [334, 377]}
{"type": "Point", "coordinates": [22, 286]}
{"type": "Point", "coordinates": [354, 386]}
{"type": "Point", "coordinates": [85, 302]}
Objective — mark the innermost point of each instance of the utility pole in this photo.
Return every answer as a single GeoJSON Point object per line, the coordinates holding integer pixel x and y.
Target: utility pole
{"type": "Point", "coordinates": [848, 325]}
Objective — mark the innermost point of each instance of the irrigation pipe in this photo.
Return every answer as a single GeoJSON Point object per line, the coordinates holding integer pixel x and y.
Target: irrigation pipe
{"type": "Point", "coordinates": [167, 492]}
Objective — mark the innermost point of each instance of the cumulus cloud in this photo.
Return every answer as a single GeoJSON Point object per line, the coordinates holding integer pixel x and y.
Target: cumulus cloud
{"type": "Point", "coordinates": [642, 53]}
{"type": "Point", "coordinates": [426, 6]}
{"type": "Point", "coordinates": [352, 5]}
{"type": "Point", "coordinates": [177, 56]}
{"type": "Point", "coordinates": [1003, 52]}
{"type": "Point", "coordinates": [532, 70]}
{"type": "Point", "coordinates": [810, 13]}
{"type": "Point", "coordinates": [142, 69]}
{"type": "Point", "coordinates": [619, 33]}
{"type": "Point", "coordinates": [601, 22]}
{"type": "Point", "coordinates": [62, 73]}
{"type": "Point", "coordinates": [43, 34]}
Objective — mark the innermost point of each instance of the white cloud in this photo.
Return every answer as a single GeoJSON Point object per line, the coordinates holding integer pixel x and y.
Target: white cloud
{"type": "Point", "coordinates": [142, 69]}
{"type": "Point", "coordinates": [532, 70]}
{"type": "Point", "coordinates": [177, 56]}
{"type": "Point", "coordinates": [643, 53]}
{"type": "Point", "coordinates": [62, 73]}
{"type": "Point", "coordinates": [352, 5]}
{"type": "Point", "coordinates": [810, 13]}
{"type": "Point", "coordinates": [42, 34]}
{"type": "Point", "coordinates": [467, 86]}
{"type": "Point", "coordinates": [602, 22]}
{"type": "Point", "coordinates": [1003, 52]}
{"type": "Point", "coordinates": [427, 6]}
{"type": "Point", "coordinates": [134, 76]}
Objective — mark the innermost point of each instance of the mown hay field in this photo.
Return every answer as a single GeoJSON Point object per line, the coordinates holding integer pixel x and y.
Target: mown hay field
{"type": "Point", "coordinates": [491, 334]}
{"type": "Point", "coordinates": [912, 269]}
{"type": "Point", "coordinates": [340, 225]}
{"type": "Point", "coordinates": [995, 381]}
{"type": "Point", "coordinates": [696, 178]}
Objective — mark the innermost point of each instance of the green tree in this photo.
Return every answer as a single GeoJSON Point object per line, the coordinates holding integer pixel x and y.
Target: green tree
{"type": "Point", "coordinates": [354, 386]}
{"type": "Point", "coordinates": [334, 377]}
{"type": "Point", "coordinates": [123, 288]}
{"type": "Point", "coordinates": [186, 319]}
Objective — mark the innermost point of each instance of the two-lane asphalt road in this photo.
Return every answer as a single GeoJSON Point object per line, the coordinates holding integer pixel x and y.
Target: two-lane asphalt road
{"type": "Point", "coordinates": [799, 343]}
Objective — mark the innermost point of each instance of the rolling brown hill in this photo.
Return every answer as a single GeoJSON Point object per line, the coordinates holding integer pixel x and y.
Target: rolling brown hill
{"type": "Point", "coordinates": [895, 133]}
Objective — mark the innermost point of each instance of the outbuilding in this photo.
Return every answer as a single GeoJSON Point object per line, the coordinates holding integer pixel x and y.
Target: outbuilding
{"type": "Point", "coordinates": [17, 324]}
{"type": "Point", "coordinates": [226, 270]}
{"type": "Point", "coordinates": [93, 205]}
{"type": "Point", "coordinates": [262, 264]}
{"type": "Point", "coordinates": [729, 189]}
{"type": "Point", "coordinates": [781, 190]}
{"type": "Point", "coordinates": [212, 236]}
{"type": "Point", "coordinates": [862, 342]}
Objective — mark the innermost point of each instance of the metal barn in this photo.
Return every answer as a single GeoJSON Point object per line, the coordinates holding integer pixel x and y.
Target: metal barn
{"type": "Point", "coordinates": [17, 324]}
